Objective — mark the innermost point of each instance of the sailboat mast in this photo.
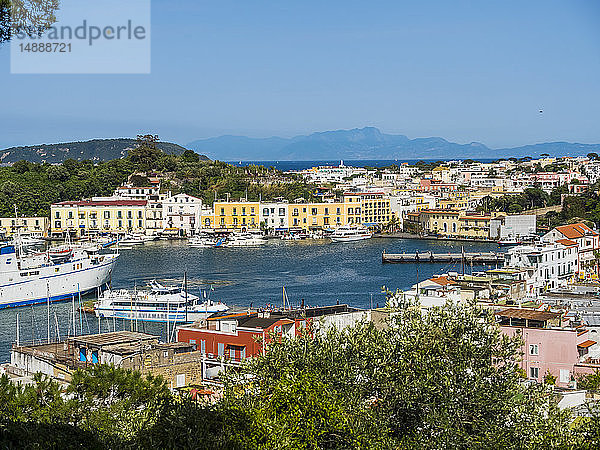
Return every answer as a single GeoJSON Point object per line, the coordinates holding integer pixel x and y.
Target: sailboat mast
{"type": "Point", "coordinates": [48, 307]}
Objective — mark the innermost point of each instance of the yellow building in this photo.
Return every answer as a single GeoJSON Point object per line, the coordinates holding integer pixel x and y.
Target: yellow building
{"type": "Point", "coordinates": [37, 226]}
{"type": "Point", "coordinates": [475, 226]}
{"type": "Point", "coordinates": [82, 218]}
{"type": "Point", "coordinates": [240, 215]}
{"type": "Point", "coordinates": [368, 208]}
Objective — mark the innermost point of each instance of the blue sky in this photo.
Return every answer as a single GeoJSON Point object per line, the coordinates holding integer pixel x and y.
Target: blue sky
{"type": "Point", "coordinates": [465, 71]}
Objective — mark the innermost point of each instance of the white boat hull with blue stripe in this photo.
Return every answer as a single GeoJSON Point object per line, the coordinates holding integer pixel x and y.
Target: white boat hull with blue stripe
{"type": "Point", "coordinates": [38, 278]}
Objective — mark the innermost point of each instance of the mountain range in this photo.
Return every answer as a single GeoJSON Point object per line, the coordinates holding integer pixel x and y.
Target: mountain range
{"type": "Point", "coordinates": [95, 150]}
{"type": "Point", "coordinates": [368, 143]}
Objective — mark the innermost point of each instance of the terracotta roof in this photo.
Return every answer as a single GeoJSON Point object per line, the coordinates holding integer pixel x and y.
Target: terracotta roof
{"type": "Point", "coordinates": [566, 242]}
{"type": "Point", "coordinates": [575, 230]}
{"type": "Point", "coordinates": [586, 344]}
{"type": "Point", "coordinates": [518, 313]}
{"type": "Point", "coordinates": [443, 281]}
{"type": "Point", "coordinates": [103, 203]}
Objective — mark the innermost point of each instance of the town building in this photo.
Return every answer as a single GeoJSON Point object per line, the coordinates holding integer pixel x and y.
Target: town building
{"type": "Point", "coordinates": [548, 346]}
{"type": "Point", "coordinates": [588, 244]}
{"type": "Point", "coordinates": [548, 266]}
{"type": "Point", "coordinates": [517, 227]}
{"type": "Point", "coordinates": [33, 226]}
{"type": "Point", "coordinates": [182, 214]}
{"type": "Point", "coordinates": [91, 217]}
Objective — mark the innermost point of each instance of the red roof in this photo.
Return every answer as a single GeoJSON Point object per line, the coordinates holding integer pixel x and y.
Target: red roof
{"type": "Point", "coordinates": [566, 242]}
{"type": "Point", "coordinates": [103, 203]}
{"type": "Point", "coordinates": [443, 281]}
{"type": "Point", "coordinates": [586, 344]}
{"type": "Point", "coordinates": [575, 230]}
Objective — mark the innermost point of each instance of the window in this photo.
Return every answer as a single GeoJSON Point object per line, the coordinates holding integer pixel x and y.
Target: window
{"type": "Point", "coordinates": [180, 380]}
{"type": "Point", "coordinates": [203, 346]}
{"type": "Point", "coordinates": [534, 349]}
{"type": "Point", "coordinates": [221, 349]}
{"type": "Point", "coordinates": [56, 215]}
{"type": "Point", "coordinates": [326, 211]}
{"type": "Point", "coordinates": [234, 211]}
{"type": "Point", "coordinates": [282, 211]}
{"type": "Point", "coordinates": [265, 211]}
{"type": "Point", "coordinates": [314, 211]}
{"type": "Point", "coordinates": [534, 372]}
{"type": "Point", "coordinates": [564, 376]}
{"type": "Point", "coordinates": [243, 353]}
{"type": "Point", "coordinates": [232, 353]}
{"type": "Point", "coordinates": [107, 214]}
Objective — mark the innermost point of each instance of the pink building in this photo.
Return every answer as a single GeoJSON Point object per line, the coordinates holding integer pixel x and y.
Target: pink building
{"type": "Point", "coordinates": [548, 347]}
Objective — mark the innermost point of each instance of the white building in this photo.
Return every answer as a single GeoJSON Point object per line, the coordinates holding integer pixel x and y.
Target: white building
{"type": "Point", "coordinates": [182, 213]}
{"type": "Point", "coordinates": [587, 240]}
{"type": "Point", "coordinates": [275, 216]}
{"type": "Point", "coordinates": [548, 266]}
{"type": "Point", "coordinates": [513, 227]}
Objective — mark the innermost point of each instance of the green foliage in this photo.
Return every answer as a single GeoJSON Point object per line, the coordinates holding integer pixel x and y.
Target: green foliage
{"type": "Point", "coordinates": [549, 379]}
{"type": "Point", "coordinates": [531, 198]}
{"type": "Point", "coordinates": [447, 378]}
{"type": "Point", "coordinates": [590, 382]}
{"type": "Point", "coordinates": [34, 187]}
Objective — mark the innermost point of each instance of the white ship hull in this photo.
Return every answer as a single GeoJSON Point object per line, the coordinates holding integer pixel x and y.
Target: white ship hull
{"type": "Point", "coordinates": [151, 315]}
{"type": "Point", "coordinates": [55, 281]}
{"type": "Point", "coordinates": [360, 237]}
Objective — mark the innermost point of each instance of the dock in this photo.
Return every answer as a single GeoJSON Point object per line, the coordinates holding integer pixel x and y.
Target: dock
{"type": "Point", "coordinates": [431, 257]}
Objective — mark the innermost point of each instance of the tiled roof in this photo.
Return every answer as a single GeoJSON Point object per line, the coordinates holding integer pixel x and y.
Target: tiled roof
{"type": "Point", "coordinates": [575, 230]}
{"type": "Point", "coordinates": [566, 242]}
{"type": "Point", "coordinates": [518, 313]}
{"type": "Point", "coordinates": [443, 281]}
{"type": "Point", "coordinates": [103, 203]}
{"type": "Point", "coordinates": [586, 344]}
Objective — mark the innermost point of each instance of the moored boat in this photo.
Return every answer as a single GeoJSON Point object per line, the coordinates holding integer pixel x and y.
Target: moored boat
{"type": "Point", "coordinates": [349, 234]}
{"type": "Point", "coordinates": [156, 304]}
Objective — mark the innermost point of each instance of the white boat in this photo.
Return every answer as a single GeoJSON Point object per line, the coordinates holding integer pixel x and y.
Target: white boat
{"type": "Point", "coordinates": [27, 241]}
{"type": "Point", "coordinates": [245, 240]}
{"type": "Point", "coordinates": [155, 304]}
{"type": "Point", "coordinates": [58, 274]}
{"type": "Point", "coordinates": [201, 241]}
{"type": "Point", "coordinates": [135, 239]}
{"type": "Point", "coordinates": [349, 234]}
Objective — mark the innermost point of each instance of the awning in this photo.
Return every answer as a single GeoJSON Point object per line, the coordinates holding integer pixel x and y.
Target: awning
{"type": "Point", "coordinates": [586, 344]}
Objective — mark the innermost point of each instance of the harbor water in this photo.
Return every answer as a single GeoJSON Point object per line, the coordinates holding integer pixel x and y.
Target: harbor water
{"type": "Point", "coordinates": [317, 272]}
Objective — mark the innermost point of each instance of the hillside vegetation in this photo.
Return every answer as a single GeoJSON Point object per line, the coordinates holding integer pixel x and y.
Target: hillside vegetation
{"type": "Point", "coordinates": [33, 187]}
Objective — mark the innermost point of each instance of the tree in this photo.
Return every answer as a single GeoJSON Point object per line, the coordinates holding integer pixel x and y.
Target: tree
{"type": "Point", "coordinates": [145, 154]}
{"type": "Point", "coordinates": [444, 378]}
{"type": "Point", "coordinates": [20, 17]}
{"type": "Point", "coordinates": [592, 155]}
{"type": "Point", "coordinates": [190, 156]}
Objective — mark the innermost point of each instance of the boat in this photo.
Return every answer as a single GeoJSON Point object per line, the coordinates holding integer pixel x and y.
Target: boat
{"type": "Point", "coordinates": [157, 303]}
{"type": "Point", "coordinates": [27, 241]}
{"type": "Point", "coordinates": [57, 274]}
{"type": "Point", "coordinates": [349, 234]}
{"type": "Point", "coordinates": [245, 240]}
{"type": "Point", "coordinates": [509, 241]}
{"type": "Point", "coordinates": [203, 241]}
{"type": "Point", "coordinates": [135, 239]}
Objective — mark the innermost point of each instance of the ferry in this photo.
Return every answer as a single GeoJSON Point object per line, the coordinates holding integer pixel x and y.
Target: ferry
{"type": "Point", "coordinates": [155, 304]}
{"type": "Point", "coordinates": [58, 274]}
{"type": "Point", "coordinates": [348, 234]}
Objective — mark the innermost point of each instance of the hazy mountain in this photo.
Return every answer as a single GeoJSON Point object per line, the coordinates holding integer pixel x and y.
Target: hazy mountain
{"type": "Point", "coordinates": [367, 143]}
{"type": "Point", "coordinates": [95, 150]}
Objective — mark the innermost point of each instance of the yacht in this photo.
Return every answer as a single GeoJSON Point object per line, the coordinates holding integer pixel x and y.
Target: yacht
{"type": "Point", "coordinates": [348, 234]}
{"type": "Point", "coordinates": [157, 303]}
{"type": "Point", "coordinates": [203, 241]}
{"type": "Point", "coordinates": [135, 239]}
{"type": "Point", "coordinates": [245, 240]}
{"type": "Point", "coordinates": [59, 273]}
